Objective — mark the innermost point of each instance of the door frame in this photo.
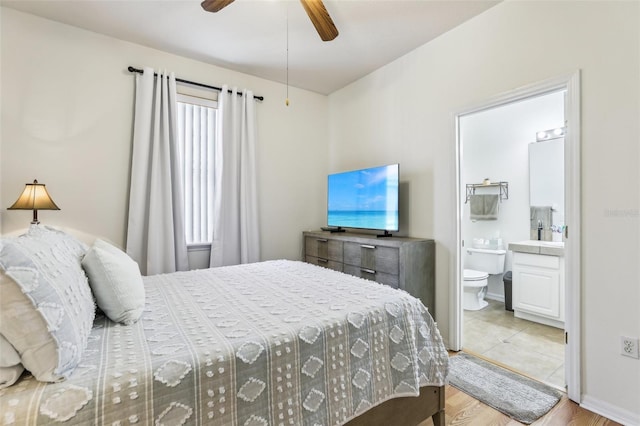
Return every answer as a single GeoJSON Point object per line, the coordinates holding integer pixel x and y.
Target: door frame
{"type": "Point", "coordinates": [573, 338]}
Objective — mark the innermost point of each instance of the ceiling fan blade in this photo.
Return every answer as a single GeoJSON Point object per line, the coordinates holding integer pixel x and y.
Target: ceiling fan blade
{"type": "Point", "coordinates": [320, 19]}
{"type": "Point", "coordinates": [215, 5]}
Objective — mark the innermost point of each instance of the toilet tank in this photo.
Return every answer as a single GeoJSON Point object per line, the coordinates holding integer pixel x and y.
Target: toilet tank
{"type": "Point", "coordinates": [489, 261]}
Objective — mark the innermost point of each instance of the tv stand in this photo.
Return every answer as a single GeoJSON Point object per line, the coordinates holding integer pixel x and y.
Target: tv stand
{"type": "Point", "coordinates": [399, 262]}
{"type": "Point", "coordinates": [386, 234]}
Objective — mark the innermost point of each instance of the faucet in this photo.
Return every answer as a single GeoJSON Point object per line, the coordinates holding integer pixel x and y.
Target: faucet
{"type": "Point", "coordinates": [539, 229]}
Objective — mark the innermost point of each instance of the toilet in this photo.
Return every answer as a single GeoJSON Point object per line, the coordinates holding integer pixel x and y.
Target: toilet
{"type": "Point", "coordinates": [479, 264]}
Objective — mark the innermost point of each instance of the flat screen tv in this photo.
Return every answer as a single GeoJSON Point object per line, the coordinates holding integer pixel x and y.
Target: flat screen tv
{"type": "Point", "coordinates": [364, 199]}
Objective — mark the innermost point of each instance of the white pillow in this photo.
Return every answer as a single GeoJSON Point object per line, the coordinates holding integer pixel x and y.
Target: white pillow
{"type": "Point", "coordinates": [10, 367]}
{"type": "Point", "coordinates": [46, 305]}
{"type": "Point", "coordinates": [116, 282]}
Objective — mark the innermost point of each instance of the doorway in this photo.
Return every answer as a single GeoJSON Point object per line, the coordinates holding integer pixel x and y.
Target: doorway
{"type": "Point", "coordinates": [475, 164]}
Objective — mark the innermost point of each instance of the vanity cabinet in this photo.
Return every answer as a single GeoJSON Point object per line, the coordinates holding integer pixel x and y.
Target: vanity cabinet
{"type": "Point", "coordinates": [538, 288]}
{"type": "Point", "coordinates": [399, 262]}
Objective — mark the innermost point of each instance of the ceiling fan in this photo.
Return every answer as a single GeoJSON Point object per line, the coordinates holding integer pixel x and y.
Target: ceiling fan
{"type": "Point", "coordinates": [315, 10]}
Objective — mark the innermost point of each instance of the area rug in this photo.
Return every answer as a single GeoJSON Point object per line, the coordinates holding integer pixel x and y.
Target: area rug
{"type": "Point", "coordinates": [518, 397]}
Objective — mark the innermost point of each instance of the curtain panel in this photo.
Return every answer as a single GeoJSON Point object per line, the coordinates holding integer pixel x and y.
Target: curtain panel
{"type": "Point", "coordinates": [155, 232]}
{"type": "Point", "coordinates": [235, 230]}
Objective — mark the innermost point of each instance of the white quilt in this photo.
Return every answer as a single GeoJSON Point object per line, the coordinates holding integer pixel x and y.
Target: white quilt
{"type": "Point", "coordinates": [270, 343]}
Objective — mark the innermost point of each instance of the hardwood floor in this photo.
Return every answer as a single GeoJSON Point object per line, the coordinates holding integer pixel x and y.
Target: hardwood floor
{"type": "Point", "coordinates": [462, 409]}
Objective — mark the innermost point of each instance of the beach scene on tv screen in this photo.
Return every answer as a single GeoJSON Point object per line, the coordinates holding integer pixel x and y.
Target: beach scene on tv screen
{"type": "Point", "coordinates": [364, 198]}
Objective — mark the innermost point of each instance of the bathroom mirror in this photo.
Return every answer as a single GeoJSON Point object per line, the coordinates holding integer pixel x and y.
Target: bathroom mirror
{"type": "Point", "coordinates": [546, 177]}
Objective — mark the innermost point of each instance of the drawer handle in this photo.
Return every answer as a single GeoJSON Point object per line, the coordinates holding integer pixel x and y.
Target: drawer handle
{"type": "Point", "coordinates": [367, 246]}
{"type": "Point", "coordinates": [322, 240]}
{"type": "Point", "coordinates": [322, 260]}
{"type": "Point", "coordinates": [368, 271]}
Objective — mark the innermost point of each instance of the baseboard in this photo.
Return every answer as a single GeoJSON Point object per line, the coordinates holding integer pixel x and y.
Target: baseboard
{"type": "Point", "coordinates": [610, 411]}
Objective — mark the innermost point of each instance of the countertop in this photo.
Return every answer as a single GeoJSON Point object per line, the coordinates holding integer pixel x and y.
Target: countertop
{"type": "Point", "coordinates": [548, 248]}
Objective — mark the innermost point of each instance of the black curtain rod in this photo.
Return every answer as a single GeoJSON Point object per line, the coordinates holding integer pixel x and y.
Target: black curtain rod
{"type": "Point", "coordinates": [193, 83]}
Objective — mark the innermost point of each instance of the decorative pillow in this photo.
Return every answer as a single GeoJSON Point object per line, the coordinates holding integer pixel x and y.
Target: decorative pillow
{"type": "Point", "coordinates": [116, 282]}
{"type": "Point", "coordinates": [10, 367]}
{"type": "Point", "coordinates": [46, 305]}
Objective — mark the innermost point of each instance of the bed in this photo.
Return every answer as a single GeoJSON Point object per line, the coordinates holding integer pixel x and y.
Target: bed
{"type": "Point", "coordinates": [270, 343]}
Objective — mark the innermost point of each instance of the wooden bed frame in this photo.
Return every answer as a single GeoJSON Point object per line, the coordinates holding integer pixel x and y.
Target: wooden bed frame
{"type": "Point", "coordinates": [406, 411]}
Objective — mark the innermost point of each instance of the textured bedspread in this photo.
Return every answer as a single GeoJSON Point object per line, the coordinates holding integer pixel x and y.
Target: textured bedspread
{"type": "Point", "coordinates": [271, 343]}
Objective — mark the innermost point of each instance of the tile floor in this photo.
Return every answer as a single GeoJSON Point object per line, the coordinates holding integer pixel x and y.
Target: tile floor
{"type": "Point", "coordinates": [534, 349]}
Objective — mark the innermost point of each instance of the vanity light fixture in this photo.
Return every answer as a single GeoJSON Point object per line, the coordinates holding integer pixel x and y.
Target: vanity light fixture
{"type": "Point", "coordinates": [546, 135]}
{"type": "Point", "coordinates": [34, 197]}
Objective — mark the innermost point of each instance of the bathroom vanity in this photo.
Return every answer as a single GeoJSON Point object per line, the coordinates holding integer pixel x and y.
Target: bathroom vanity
{"type": "Point", "coordinates": [538, 281]}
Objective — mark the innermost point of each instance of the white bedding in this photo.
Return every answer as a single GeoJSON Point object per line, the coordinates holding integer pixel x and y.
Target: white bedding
{"type": "Point", "coordinates": [270, 343]}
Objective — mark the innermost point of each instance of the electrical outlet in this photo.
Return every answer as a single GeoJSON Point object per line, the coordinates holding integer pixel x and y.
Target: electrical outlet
{"type": "Point", "coordinates": [629, 347]}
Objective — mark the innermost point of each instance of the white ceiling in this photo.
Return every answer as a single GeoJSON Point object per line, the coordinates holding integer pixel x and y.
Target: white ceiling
{"type": "Point", "coordinates": [250, 36]}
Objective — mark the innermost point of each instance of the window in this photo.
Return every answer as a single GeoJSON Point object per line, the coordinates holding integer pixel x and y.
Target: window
{"type": "Point", "coordinates": [196, 126]}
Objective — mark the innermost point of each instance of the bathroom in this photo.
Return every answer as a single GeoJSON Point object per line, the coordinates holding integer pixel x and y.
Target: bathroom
{"type": "Point", "coordinates": [500, 156]}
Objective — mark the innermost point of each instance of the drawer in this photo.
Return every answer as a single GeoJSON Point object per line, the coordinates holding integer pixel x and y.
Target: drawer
{"type": "Point", "coordinates": [381, 277]}
{"type": "Point", "coordinates": [538, 260]}
{"type": "Point", "coordinates": [331, 264]}
{"type": "Point", "coordinates": [376, 258]}
{"type": "Point", "coordinates": [323, 248]}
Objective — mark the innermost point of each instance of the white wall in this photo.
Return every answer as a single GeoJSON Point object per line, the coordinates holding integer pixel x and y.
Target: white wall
{"type": "Point", "coordinates": [405, 112]}
{"type": "Point", "coordinates": [67, 107]}
{"type": "Point", "coordinates": [495, 145]}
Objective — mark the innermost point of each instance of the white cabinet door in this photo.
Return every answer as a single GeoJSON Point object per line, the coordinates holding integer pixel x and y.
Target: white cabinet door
{"type": "Point", "coordinates": [537, 291]}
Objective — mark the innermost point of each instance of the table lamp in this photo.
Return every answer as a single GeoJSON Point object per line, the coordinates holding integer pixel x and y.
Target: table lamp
{"type": "Point", "coordinates": [34, 197]}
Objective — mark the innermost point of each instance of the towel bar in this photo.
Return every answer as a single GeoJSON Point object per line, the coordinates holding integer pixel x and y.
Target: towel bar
{"type": "Point", "coordinates": [502, 186]}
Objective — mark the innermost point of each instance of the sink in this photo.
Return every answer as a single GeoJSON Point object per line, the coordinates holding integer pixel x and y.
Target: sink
{"type": "Point", "coordinates": [551, 248]}
{"type": "Point", "coordinates": [551, 243]}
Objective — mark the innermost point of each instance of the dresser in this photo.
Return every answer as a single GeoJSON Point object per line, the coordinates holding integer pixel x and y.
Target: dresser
{"type": "Point", "coordinates": [399, 262]}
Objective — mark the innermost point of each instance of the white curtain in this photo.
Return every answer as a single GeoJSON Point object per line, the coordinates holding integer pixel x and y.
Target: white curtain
{"type": "Point", "coordinates": [155, 232]}
{"type": "Point", "coordinates": [235, 214]}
